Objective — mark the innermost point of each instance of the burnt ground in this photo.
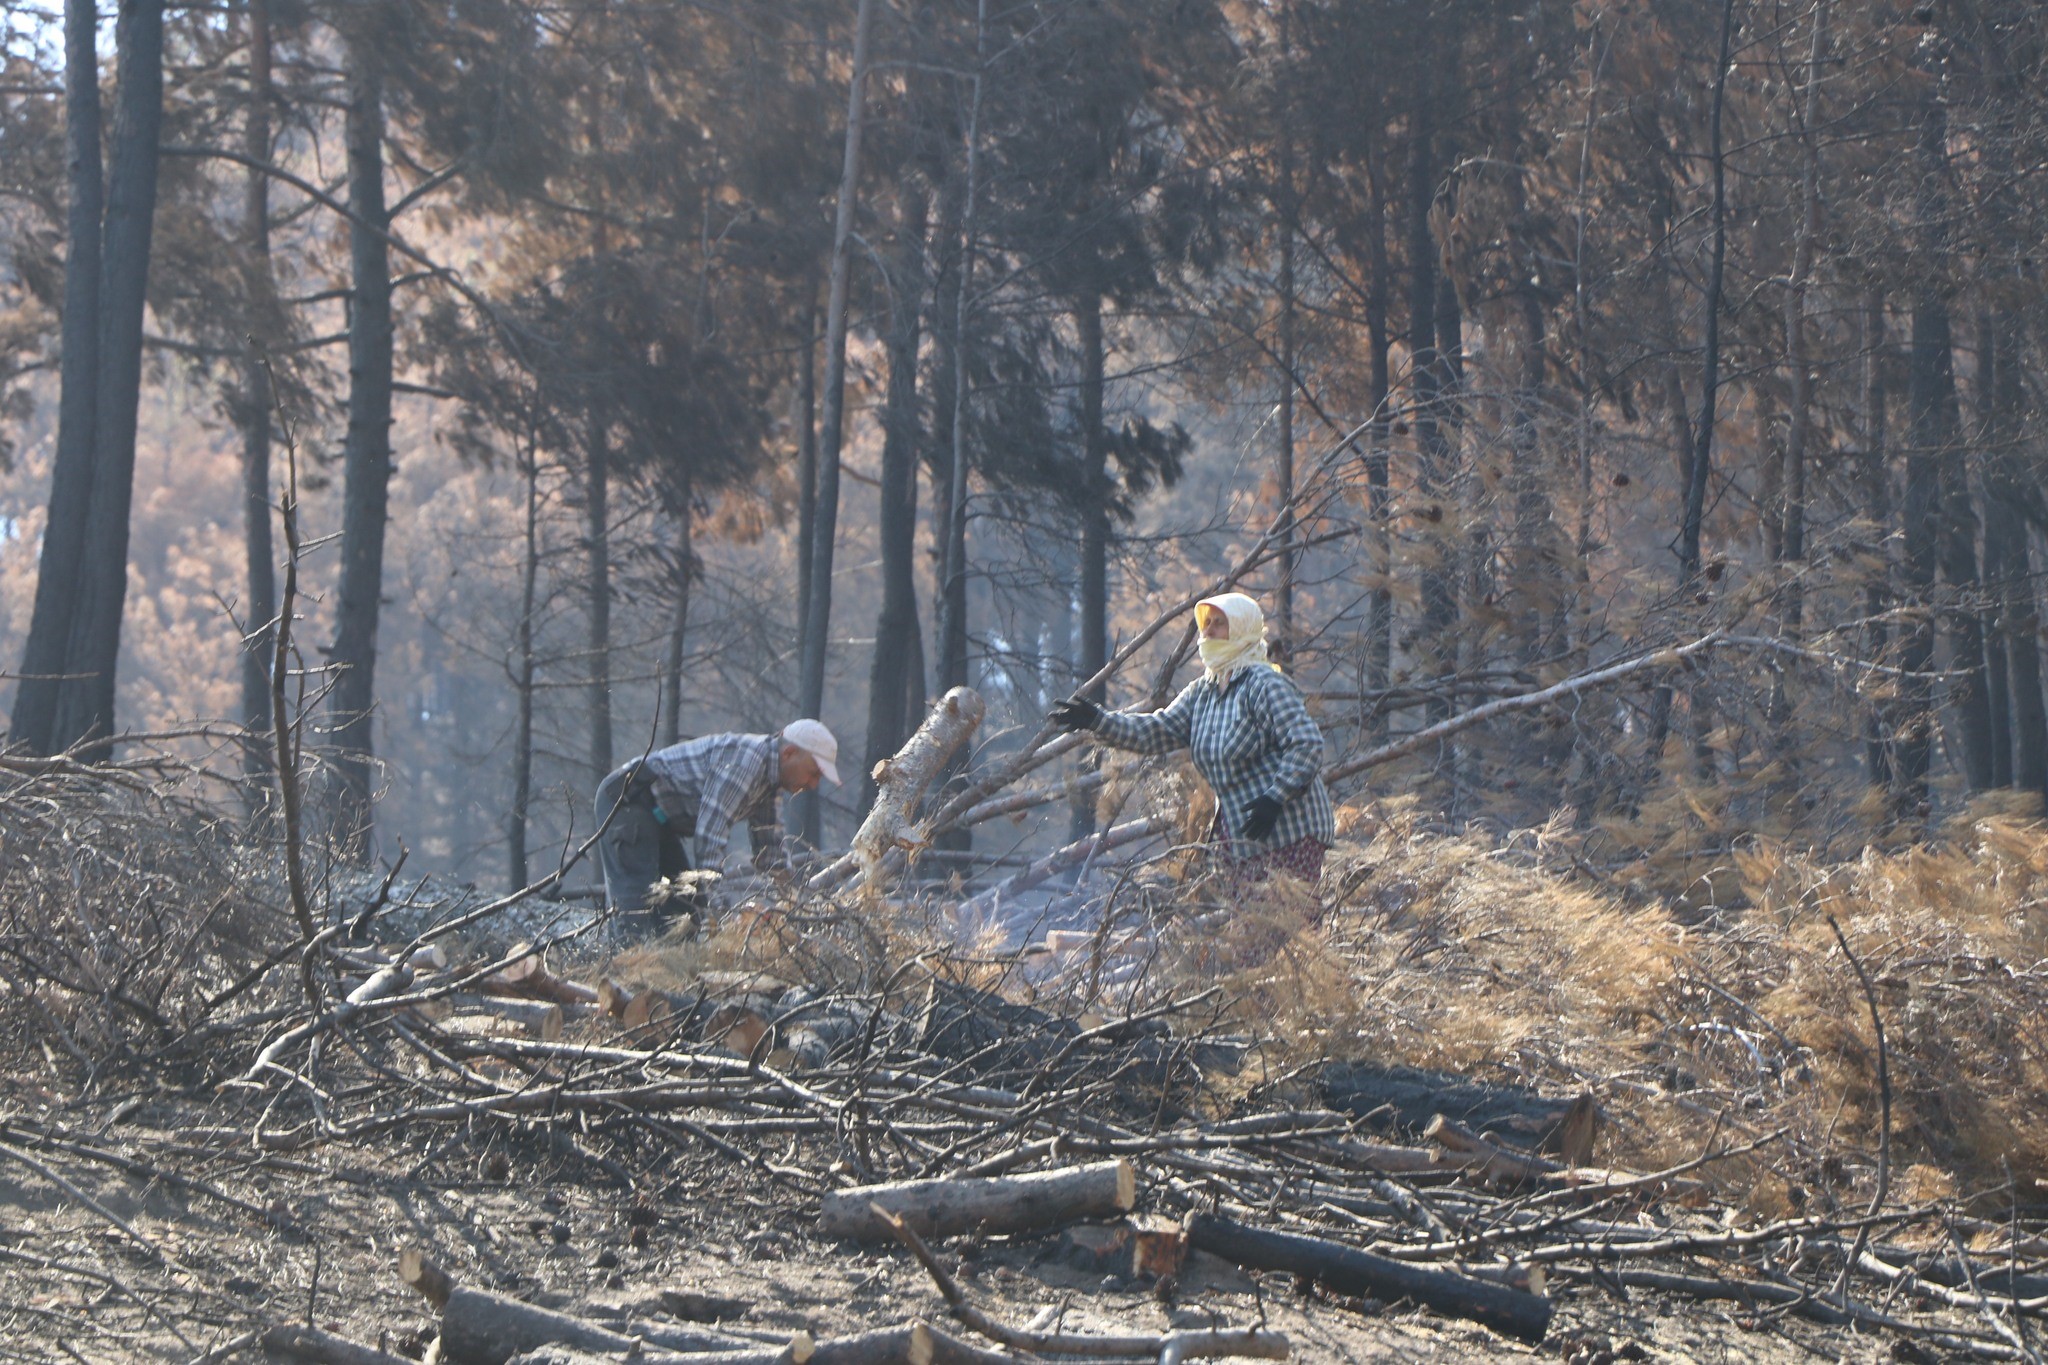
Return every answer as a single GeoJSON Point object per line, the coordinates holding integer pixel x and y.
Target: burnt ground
{"type": "Point", "coordinates": [237, 1240]}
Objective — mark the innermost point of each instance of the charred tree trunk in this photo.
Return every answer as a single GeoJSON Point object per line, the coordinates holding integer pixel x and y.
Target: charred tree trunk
{"type": "Point", "coordinates": [1095, 529]}
{"type": "Point", "coordinates": [1880, 724]}
{"type": "Point", "coordinates": [1379, 646]}
{"type": "Point", "coordinates": [1699, 455]}
{"type": "Point", "coordinates": [1799, 387]}
{"type": "Point", "coordinates": [33, 724]}
{"type": "Point", "coordinates": [806, 454]}
{"type": "Point", "coordinates": [1699, 468]}
{"type": "Point", "coordinates": [1439, 604]}
{"type": "Point", "coordinates": [2002, 526]}
{"type": "Point", "coordinates": [1283, 597]}
{"type": "Point", "coordinates": [896, 628]}
{"type": "Point", "coordinates": [952, 643]}
{"type": "Point", "coordinates": [2009, 560]}
{"type": "Point", "coordinates": [523, 678]}
{"type": "Point", "coordinates": [85, 707]}
{"type": "Point", "coordinates": [1938, 437]}
{"type": "Point", "coordinates": [1928, 358]}
{"type": "Point", "coordinates": [366, 458]}
{"type": "Point", "coordinates": [259, 555]}
{"type": "Point", "coordinates": [951, 528]}
{"type": "Point", "coordinates": [597, 544]}
{"type": "Point", "coordinates": [1958, 537]}
{"type": "Point", "coordinates": [818, 612]}
{"type": "Point", "coordinates": [679, 622]}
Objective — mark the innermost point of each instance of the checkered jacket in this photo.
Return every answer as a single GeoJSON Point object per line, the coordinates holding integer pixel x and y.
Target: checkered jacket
{"type": "Point", "coordinates": [721, 779]}
{"type": "Point", "coordinates": [1250, 737]}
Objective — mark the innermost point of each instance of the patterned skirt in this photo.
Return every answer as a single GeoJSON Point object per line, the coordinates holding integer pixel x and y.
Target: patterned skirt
{"type": "Point", "coordinates": [1302, 859]}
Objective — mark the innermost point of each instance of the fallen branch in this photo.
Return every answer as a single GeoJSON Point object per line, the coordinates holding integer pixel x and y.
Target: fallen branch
{"type": "Point", "coordinates": [306, 1342]}
{"type": "Point", "coordinates": [1348, 1270]}
{"type": "Point", "coordinates": [1526, 701]}
{"type": "Point", "coordinates": [900, 781]}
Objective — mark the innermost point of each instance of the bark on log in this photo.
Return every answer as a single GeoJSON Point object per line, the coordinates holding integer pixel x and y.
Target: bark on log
{"type": "Point", "coordinates": [1348, 1270]}
{"type": "Point", "coordinates": [737, 1029]}
{"type": "Point", "coordinates": [504, 1017]}
{"type": "Point", "coordinates": [527, 977]}
{"type": "Point", "coordinates": [901, 782]}
{"type": "Point", "coordinates": [646, 1014]}
{"type": "Point", "coordinates": [1489, 1160]}
{"type": "Point", "coordinates": [482, 1328]}
{"type": "Point", "coordinates": [792, 1354]}
{"type": "Point", "coordinates": [916, 1344]}
{"type": "Point", "coordinates": [324, 1348]}
{"type": "Point", "coordinates": [1016, 1203]}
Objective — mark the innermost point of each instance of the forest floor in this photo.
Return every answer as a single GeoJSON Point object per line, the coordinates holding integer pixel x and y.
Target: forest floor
{"type": "Point", "coordinates": [318, 1241]}
{"type": "Point", "coordinates": [1822, 1109]}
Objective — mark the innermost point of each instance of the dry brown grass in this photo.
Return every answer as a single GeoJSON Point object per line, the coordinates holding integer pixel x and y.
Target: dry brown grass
{"type": "Point", "coordinates": [1700, 1021]}
{"type": "Point", "coordinates": [1496, 960]}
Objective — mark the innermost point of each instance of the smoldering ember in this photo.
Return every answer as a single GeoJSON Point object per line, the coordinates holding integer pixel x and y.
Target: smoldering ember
{"type": "Point", "coordinates": [877, 683]}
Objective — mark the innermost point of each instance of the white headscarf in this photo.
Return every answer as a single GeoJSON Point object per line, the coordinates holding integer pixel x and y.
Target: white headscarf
{"type": "Point", "coordinates": [1247, 643]}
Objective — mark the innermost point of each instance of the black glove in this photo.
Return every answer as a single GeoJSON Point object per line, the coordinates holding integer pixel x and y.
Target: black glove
{"type": "Point", "coordinates": [1260, 817]}
{"type": "Point", "coordinates": [1075, 713]}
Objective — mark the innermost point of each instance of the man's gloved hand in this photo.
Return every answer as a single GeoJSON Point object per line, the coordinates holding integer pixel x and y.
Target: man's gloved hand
{"type": "Point", "coordinates": [1075, 713]}
{"type": "Point", "coordinates": [1261, 816]}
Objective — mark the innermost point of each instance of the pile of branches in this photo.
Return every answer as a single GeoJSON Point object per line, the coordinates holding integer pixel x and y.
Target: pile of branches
{"type": "Point", "coordinates": [838, 1096]}
{"type": "Point", "coordinates": [882, 1056]}
{"type": "Point", "coordinates": [132, 912]}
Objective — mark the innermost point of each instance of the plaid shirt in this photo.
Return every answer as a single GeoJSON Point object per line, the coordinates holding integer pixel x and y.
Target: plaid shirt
{"type": "Point", "coordinates": [722, 779]}
{"type": "Point", "coordinates": [1250, 737]}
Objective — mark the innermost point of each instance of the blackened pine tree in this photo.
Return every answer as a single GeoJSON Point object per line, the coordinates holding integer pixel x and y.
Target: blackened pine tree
{"type": "Point", "coordinates": [85, 708]}
{"type": "Point", "coordinates": [57, 581]}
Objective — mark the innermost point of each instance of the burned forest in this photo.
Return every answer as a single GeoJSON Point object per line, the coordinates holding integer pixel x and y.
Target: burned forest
{"type": "Point", "coordinates": [868, 682]}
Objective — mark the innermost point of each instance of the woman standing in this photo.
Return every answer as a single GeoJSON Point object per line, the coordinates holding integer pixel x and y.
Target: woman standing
{"type": "Point", "coordinates": [1251, 738]}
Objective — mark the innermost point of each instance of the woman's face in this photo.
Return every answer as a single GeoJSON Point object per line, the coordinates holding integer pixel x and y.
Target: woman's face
{"type": "Point", "coordinates": [1215, 625]}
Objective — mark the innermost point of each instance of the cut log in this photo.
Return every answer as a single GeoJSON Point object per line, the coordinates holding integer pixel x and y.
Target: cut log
{"type": "Point", "coordinates": [506, 1018]}
{"type": "Point", "coordinates": [917, 1344]}
{"type": "Point", "coordinates": [305, 1342]}
{"type": "Point", "coordinates": [482, 1328]}
{"type": "Point", "coordinates": [900, 782]}
{"type": "Point", "coordinates": [385, 981]}
{"type": "Point", "coordinates": [524, 963]}
{"type": "Point", "coordinates": [735, 1028]}
{"type": "Point", "coordinates": [793, 1354]}
{"type": "Point", "coordinates": [1577, 1132]}
{"type": "Point", "coordinates": [613, 997]}
{"type": "Point", "coordinates": [1385, 1158]}
{"type": "Point", "coordinates": [1012, 1203]}
{"type": "Point", "coordinates": [647, 1015]}
{"type": "Point", "coordinates": [729, 985]}
{"type": "Point", "coordinates": [1348, 1270]}
{"type": "Point", "coordinates": [1158, 1246]}
{"type": "Point", "coordinates": [1490, 1161]}
{"type": "Point", "coordinates": [425, 1276]}
{"type": "Point", "coordinates": [527, 976]}
{"type": "Point", "coordinates": [1137, 1246]}
{"type": "Point", "coordinates": [1403, 1099]}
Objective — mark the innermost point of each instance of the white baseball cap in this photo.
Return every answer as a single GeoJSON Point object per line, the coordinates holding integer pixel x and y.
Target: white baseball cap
{"type": "Point", "coordinates": [814, 739]}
